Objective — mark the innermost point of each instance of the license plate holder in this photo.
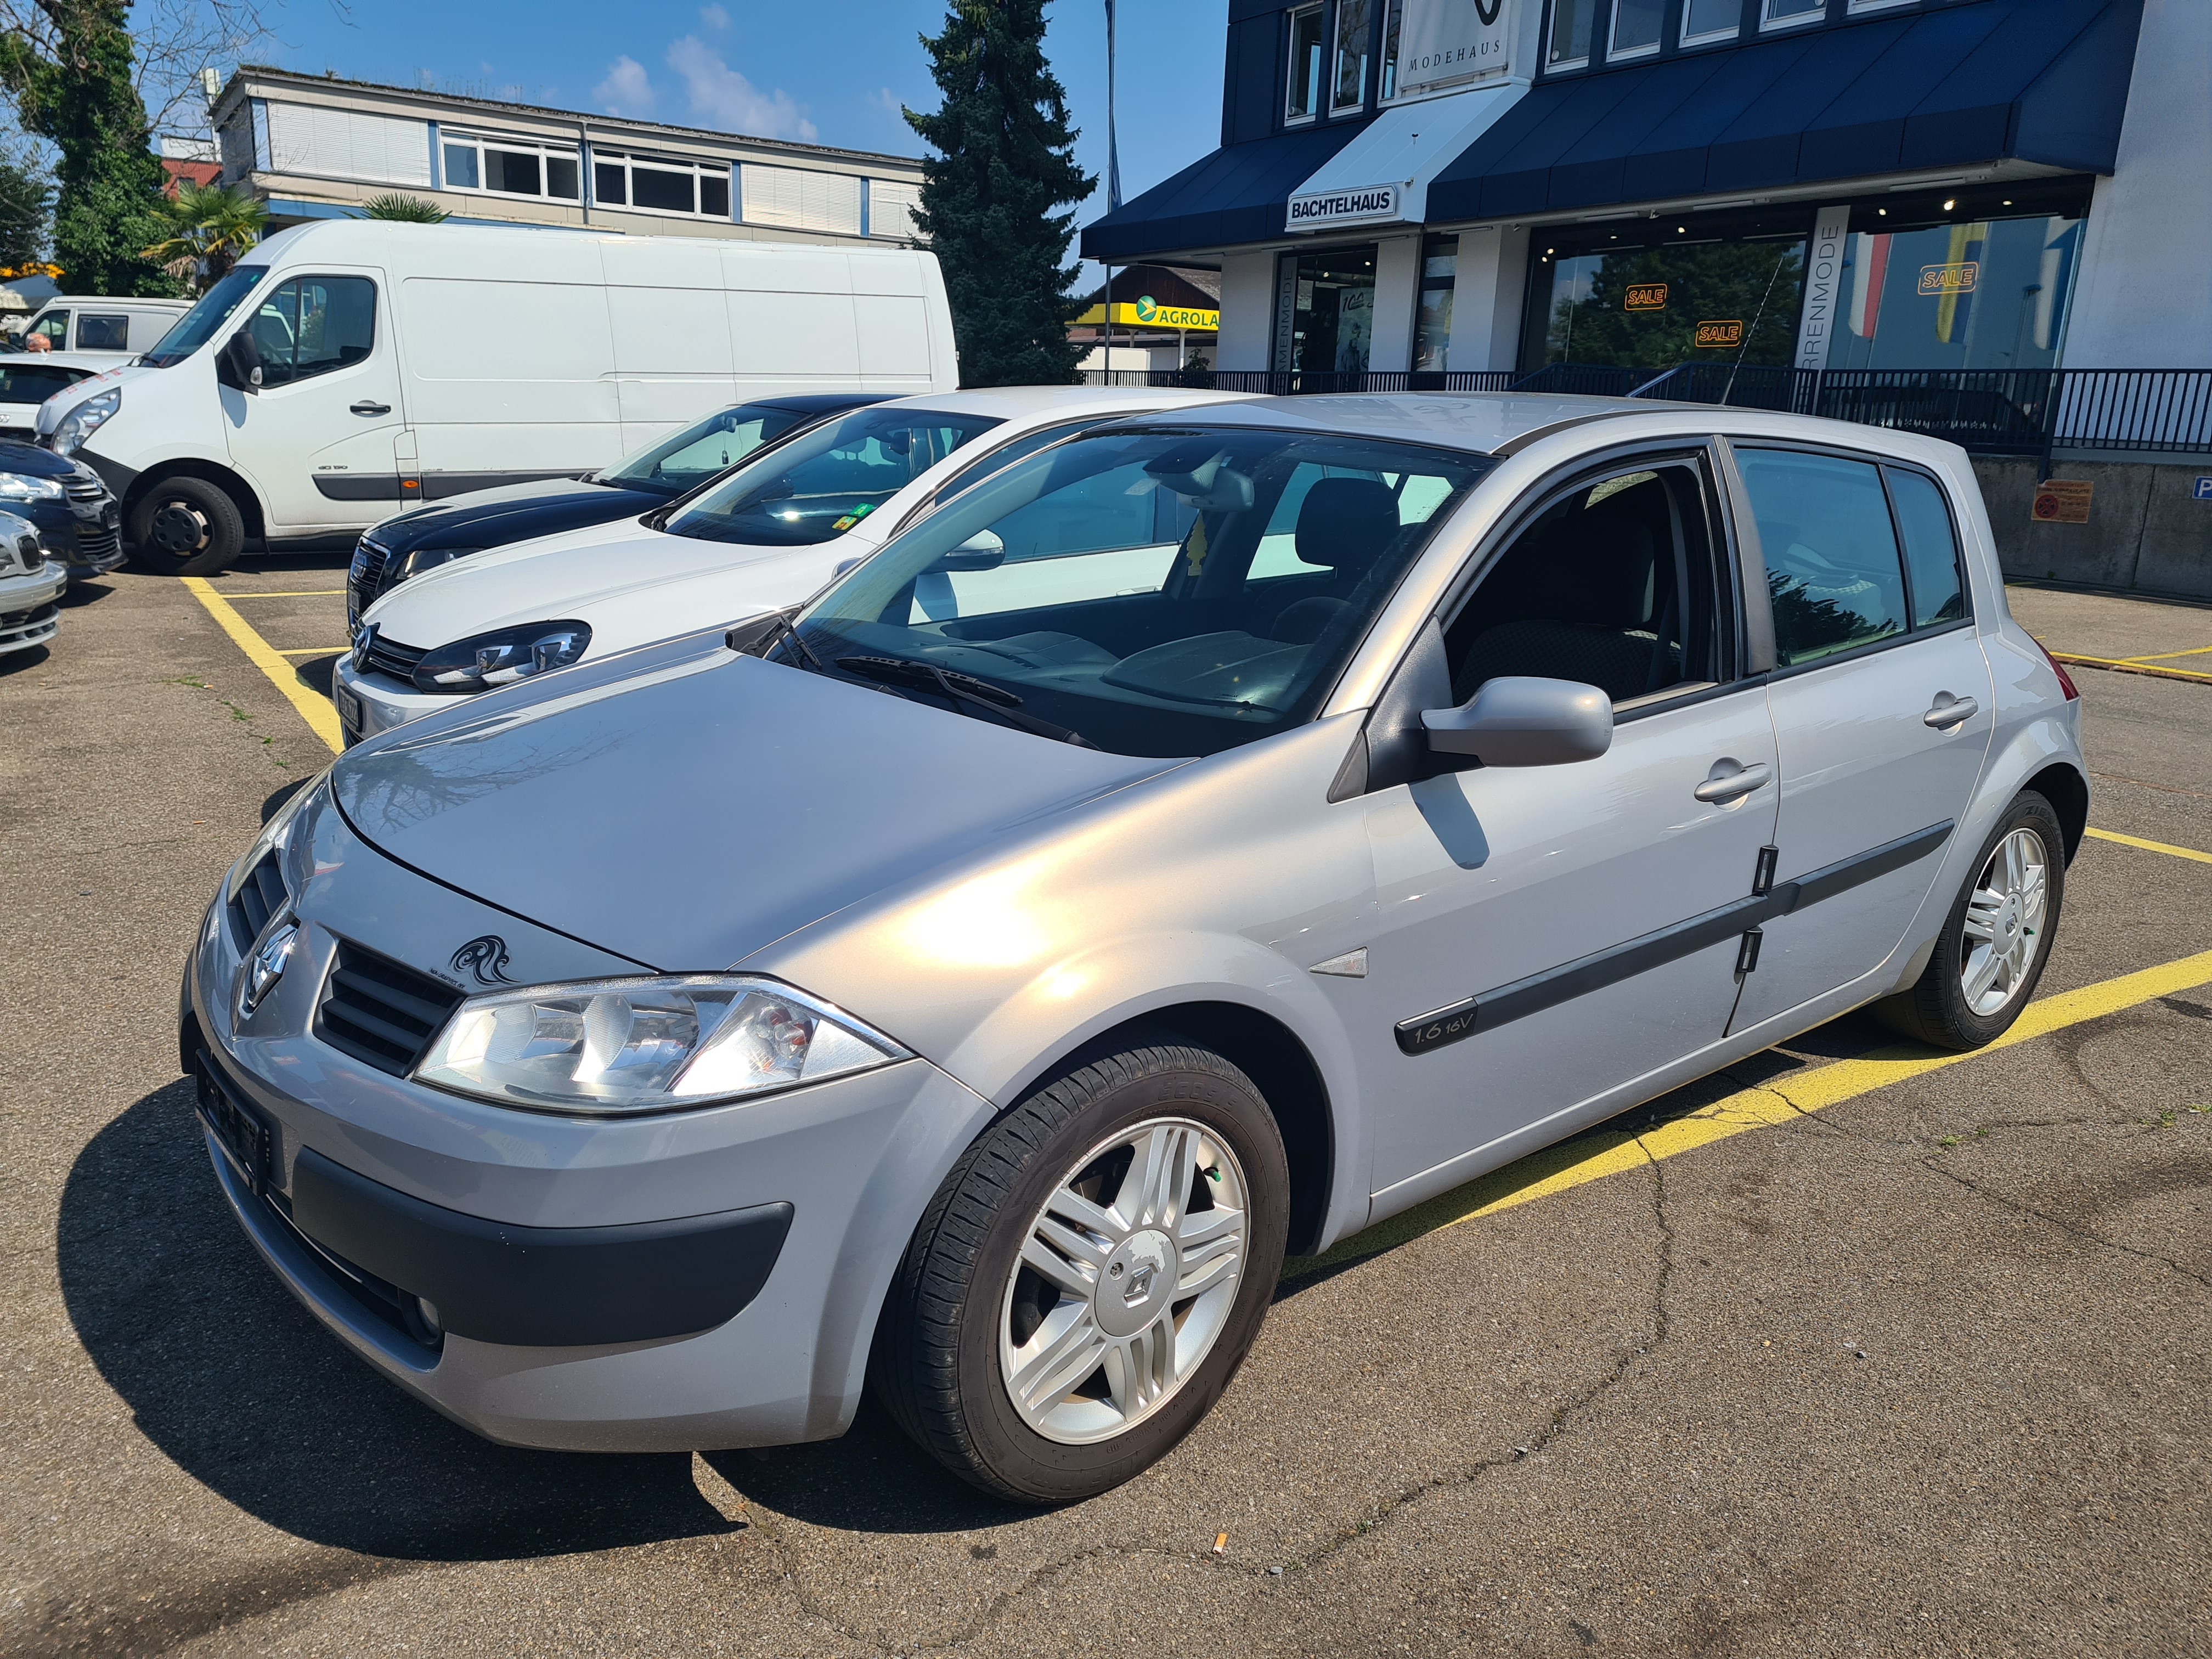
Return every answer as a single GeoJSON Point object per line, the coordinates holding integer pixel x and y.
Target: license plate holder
{"type": "Point", "coordinates": [241, 1133]}
{"type": "Point", "coordinates": [349, 707]}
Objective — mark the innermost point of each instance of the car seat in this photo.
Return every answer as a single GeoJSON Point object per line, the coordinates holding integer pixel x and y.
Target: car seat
{"type": "Point", "coordinates": [1344, 524]}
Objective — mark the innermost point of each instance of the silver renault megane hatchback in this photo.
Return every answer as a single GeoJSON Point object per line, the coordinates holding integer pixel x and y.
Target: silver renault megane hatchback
{"type": "Point", "coordinates": [1200, 841]}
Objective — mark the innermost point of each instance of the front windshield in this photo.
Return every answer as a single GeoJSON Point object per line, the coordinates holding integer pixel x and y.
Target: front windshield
{"type": "Point", "coordinates": [1163, 592]}
{"type": "Point", "coordinates": [30, 381]}
{"type": "Point", "coordinates": [825, 482]}
{"type": "Point", "coordinates": [690, 458]}
{"type": "Point", "coordinates": [197, 326]}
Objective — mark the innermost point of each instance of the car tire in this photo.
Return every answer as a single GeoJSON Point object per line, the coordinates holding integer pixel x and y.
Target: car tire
{"type": "Point", "coordinates": [185, 526]}
{"type": "Point", "coordinates": [1996, 935]}
{"type": "Point", "coordinates": [970, 1319]}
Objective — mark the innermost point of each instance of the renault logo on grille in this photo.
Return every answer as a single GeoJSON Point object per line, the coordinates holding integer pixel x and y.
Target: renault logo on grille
{"type": "Point", "coordinates": [272, 954]}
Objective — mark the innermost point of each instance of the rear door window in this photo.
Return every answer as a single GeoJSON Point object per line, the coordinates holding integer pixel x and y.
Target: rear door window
{"type": "Point", "coordinates": [1931, 548]}
{"type": "Point", "coordinates": [1833, 571]}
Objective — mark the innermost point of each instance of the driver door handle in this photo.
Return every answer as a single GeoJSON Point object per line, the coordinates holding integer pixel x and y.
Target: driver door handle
{"type": "Point", "coordinates": [1720, 786]}
{"type": "Point", "coordinates": [365, 407]}
{"type": "Point", "coordinates": [1950, 711]}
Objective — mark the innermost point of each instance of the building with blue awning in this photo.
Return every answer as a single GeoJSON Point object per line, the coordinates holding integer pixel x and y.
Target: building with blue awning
{"type": "Point", "coordinates": [1453, 184]}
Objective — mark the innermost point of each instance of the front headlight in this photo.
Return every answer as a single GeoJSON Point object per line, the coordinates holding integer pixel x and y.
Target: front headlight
{"type": "Point", "coordinates": [617, 1046]}
{"type": "Point", "coordinates": [87, 418]}
{"type": "Point", "coordinates": [274, 833]}
{"type": "Point", "coordinates": [429, 558]}
{"type": "Point", "coordinates": [501, 657]}
{"type": "Point", "coordinates": [26, 487]}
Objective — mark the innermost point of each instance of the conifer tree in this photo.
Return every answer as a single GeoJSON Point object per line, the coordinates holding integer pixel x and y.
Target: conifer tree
{"type": "Point", "coordinates": [991, 194]}
{"type": "Point", "coordinates": [73, 85]}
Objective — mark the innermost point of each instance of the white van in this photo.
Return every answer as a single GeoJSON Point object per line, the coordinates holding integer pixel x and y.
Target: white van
{"type": "Point", "coordinates": [113, 329]}
{"type": "Point", "coordinates": [349, 369]}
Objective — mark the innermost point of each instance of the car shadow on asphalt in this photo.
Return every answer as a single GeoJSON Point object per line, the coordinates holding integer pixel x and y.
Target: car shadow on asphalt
{"type": "Point", "coordinates": [79, 595]}
{"type": "Point", "coordinates": [238, 1385]}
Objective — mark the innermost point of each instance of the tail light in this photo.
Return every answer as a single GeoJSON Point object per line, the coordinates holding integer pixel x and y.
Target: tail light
{"type": "Point", "coordinates": [2065, 680]}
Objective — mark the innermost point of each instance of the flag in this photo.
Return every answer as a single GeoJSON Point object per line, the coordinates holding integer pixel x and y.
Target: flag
{"type": "Point", "coordinates": [1870, 266]}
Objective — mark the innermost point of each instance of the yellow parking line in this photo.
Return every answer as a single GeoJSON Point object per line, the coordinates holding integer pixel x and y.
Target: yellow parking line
{"type": "Point", "coordinates": [1610, 1151]}
{"type": "Point", "coordinates": [296, 593]}
{"type": "Point", "coordinates": [2151, 846]}
{"type": "Point", "coordinates": [2160, 656]}
{"type": "Point", "coordinates": [2125, 666]}
{"type": "Point", "coordinates": [314, 707]}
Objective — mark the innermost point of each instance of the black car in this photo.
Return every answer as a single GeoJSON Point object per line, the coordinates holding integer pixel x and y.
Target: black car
{"type": "Point", "coordinates": [416, 542]}
{"type": "Point", "coordinates": [78, 521]}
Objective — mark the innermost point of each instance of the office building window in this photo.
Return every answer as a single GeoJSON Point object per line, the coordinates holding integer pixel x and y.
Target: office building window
{"type": "Point", "coordinates": [892, 203]}
{"type": "Point", "coordinates": [509, 166]}
{"type": "Point", "coordinates": [1704, 20]}
{"type": "Point", "coordinates": [800, 198]}
{"type": "Point", "coordinates": [658, 184]}
{"type": "Point", "coordinates": [1394, 23]}
{"type": "Point", "coordinates": [1572, 23]}
{"type": "Point", "coordinates": [1433, 310]}
{"type": "Point", "coordinates": [1790, 11]}
{"type": "Point", "coordinates": [1355, 32]}
{"type": "Point", "coordinates": [1636, 26]}
{"type": "Point", "coordinates": [1303, 102]}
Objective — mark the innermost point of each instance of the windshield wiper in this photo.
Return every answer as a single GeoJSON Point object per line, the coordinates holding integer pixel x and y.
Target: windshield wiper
{"type": "Point", "coordinates": [962, 691]}
{"type": "Point", "coordinates": [773, 628]}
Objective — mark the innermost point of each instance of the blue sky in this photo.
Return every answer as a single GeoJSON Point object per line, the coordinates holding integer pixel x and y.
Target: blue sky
{"type": "Point", "coordinates": [829, 72]}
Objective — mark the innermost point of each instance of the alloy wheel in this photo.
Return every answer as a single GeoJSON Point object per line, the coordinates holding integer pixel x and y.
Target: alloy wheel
{"type": "Point", "coordinates": [2004, 923]}
{"type": "Point", "coordinates": [1126, 1277]}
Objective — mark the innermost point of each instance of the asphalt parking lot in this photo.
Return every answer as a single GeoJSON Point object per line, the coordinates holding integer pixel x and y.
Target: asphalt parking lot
{"type": "Point", "coordinates": [1855, 1349]}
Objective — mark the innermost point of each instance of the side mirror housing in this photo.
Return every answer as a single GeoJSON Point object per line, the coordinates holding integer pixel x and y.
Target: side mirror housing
{"type": "Point", "coordinates": [982, 551]}
{"type": "Point", "coordinates": [1518, 720]}
{"type": "Point", "coordinates": [238, 365]}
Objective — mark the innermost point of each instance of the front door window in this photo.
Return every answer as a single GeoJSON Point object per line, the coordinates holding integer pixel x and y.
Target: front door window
{"type": "Point", "coordinates": [1327, 317]}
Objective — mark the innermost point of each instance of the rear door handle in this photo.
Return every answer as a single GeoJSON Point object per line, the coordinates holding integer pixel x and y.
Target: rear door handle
{"type": "Point", "coordinates": [1950, 711]}
{"type": "Point", "coordinates": [365, 407]}
{"type": "Point", "coordinates": [1720, 785]}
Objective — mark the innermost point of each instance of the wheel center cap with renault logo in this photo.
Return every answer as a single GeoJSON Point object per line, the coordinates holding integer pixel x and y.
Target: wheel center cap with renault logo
{"type": "Point", "coordinates": [1140, 1276]}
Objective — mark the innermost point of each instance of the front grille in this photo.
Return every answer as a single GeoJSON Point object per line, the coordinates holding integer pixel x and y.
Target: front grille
{"type": "Point", "coordinates": [95, 541]}
{"type": "Point", "coordinates": [378, 1297]}
{"type": "Point", "coordinates": [391, 659]}
{"type": "Point", "coordinates": [365, 578]}
{"type": "Point", "coordinates": [83, 488]}
{"type": "Point", "coordinates": [381, 1013]}
{"type": "Point", "coordinates": [259, 896]}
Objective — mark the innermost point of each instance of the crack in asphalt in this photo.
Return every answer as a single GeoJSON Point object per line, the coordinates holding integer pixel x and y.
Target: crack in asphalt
{"type": "Point", "coordinates": [1934, 1166]}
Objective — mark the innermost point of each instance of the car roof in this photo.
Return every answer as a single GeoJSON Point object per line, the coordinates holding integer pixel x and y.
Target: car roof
{"type": "Point", "coordinates": [816, 402]}
{"type": "Point", "coordinates": [1013, 402]}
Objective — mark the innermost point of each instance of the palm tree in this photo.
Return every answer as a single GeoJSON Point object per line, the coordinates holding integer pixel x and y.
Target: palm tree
{"type": "Point", "coordinates": [410, 209]}
{"type": "Point", "coordinates": [209, 227]}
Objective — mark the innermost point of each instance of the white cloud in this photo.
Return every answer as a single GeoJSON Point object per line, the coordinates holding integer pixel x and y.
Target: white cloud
{"type": "Point", "coordinates": [628, 90]}
{"type": "Point", "coordinates": [714, 17]}
{"type": "Point", "coordinates": [720, 97]}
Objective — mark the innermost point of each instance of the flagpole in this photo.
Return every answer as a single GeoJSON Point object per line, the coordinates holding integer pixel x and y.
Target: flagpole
{"type": "Point", "coordinates": [1113, 186]}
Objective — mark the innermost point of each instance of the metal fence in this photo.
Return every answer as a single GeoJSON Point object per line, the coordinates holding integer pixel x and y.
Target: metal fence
{"type": "Point", "coordinates": [2017, 411]}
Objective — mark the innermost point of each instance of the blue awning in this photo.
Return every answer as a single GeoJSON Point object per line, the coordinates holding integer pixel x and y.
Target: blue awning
{"type": "Point", "coordinates": [2042, 81]}
{"type": "Point", "coordinates": [1235, 195]}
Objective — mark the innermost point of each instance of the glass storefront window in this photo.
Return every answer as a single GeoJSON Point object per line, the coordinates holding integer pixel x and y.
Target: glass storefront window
{"type": "Point", "coordinates": [1656, 306]}
{"type": "Point", "coordinates": [1986, 293]}
{"type": "Point", "coordinates": [1354, 29]}
{"type": "Point", "coordinates": [1432, 315]}
{"type": "Point", "coordinates": [1326, 317]}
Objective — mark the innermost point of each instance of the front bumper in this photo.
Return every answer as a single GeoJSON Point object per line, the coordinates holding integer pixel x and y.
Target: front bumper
{"type": "Point", "coordinates": [569, 1259]}
{"type": "Point", "coordinates": [370, 703]}
{"type": "Point", "coordinates": [83, 533]}
{"type": "Point", "coordinates": [28, 614]}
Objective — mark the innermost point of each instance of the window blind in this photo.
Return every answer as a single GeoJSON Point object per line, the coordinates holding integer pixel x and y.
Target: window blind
{"type": "Point", "coordinates": [342, 143]}
{"type": "Point", "coordinates": [801, 200]}
{"type": "Point", "coordinates": [891, 207]}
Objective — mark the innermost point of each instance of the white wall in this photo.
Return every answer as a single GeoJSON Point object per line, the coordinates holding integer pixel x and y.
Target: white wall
{"type": "Point", "coordinates": [2143, 296]}
{"type": "Point", "coordinates": [1397, 284]}
{"type": "Point", "coordinates": [1486, 298]}
{"type": "Point", "coordinates": [1248, 311]}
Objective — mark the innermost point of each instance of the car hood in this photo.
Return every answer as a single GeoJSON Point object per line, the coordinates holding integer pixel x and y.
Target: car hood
{"type": "Point", "coordinates": [687, 806]}
{"type": "Point", "coordinates": [632, 585]}
{"type": "Point", "coordinates": [512, 512]}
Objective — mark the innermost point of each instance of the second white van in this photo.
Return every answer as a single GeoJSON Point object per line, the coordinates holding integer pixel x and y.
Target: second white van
{"type": "Point", "coordinates": [350, 369]}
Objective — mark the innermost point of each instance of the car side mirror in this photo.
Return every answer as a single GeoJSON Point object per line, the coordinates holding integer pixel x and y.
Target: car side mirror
{"type": "Point", "coordinates": [982, 551]}
{"type": "Point", "coordinates": [1517, 720]}
{"type": "Point", "coordinates": [238, 365]}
